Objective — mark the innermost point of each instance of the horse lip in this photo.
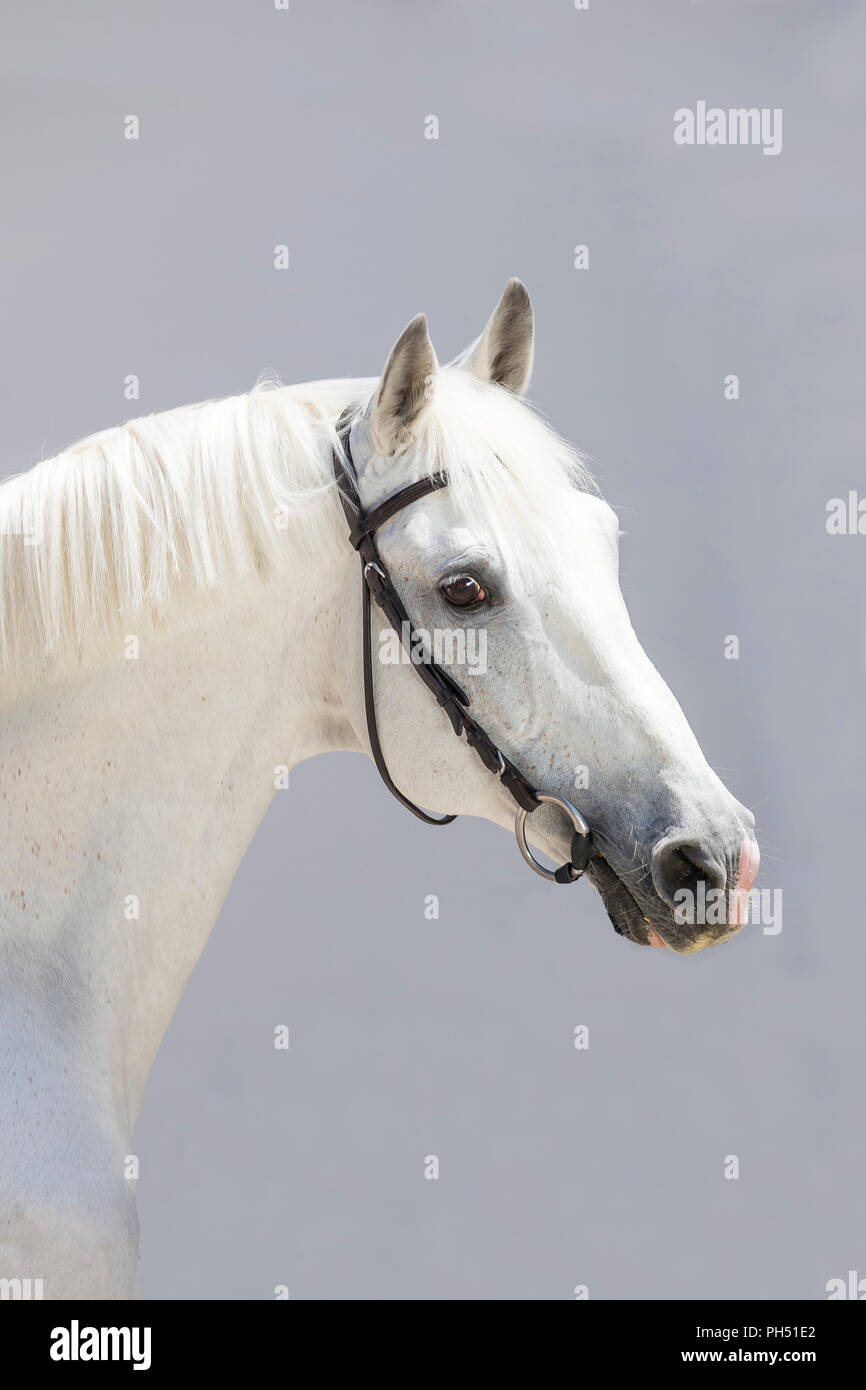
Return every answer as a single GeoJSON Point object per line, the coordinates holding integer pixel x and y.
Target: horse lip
{"type": "Point", "coordinates": [627, 917]}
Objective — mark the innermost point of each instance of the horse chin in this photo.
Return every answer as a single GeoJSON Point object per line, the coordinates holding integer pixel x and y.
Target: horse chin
{"type": "Point", "coordinates": [626, 915]}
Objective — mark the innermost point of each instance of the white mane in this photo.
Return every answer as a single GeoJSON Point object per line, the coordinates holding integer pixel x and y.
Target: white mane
{"type": "Point", "coordinates": [135, 522]}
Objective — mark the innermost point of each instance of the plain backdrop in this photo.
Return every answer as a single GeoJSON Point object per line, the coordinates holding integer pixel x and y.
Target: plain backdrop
{"type": "Point", "coordinates": [454, 1037]}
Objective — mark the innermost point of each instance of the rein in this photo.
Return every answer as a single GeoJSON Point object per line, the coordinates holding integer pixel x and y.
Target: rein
{"type": "Point", "coordinates": [449, 695]}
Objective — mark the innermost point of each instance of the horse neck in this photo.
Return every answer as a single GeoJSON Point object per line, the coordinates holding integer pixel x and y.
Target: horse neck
{"type": "Point", "coordinates": [133, 794]}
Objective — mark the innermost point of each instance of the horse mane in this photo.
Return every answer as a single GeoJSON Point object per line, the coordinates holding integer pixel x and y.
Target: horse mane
{"type": "Point", "coordinates": [135, 522]}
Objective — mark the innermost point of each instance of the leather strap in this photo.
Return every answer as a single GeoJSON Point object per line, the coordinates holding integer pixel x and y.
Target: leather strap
{"type": "Point", "coordinates": [377, 582]}
{"type": "Point", "coordinates": [368, 523]}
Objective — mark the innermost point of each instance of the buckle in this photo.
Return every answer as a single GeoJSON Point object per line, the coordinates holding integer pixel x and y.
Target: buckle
{"type": "Point", "coordinates": [376, 579]}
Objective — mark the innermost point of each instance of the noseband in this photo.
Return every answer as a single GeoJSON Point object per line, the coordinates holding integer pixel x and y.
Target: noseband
{"type": "Point", "coordinates": [441, 684]}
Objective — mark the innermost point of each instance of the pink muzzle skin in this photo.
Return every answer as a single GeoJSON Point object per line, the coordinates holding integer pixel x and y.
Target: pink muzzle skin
{"type": "Point", "coordinates": [750, 859]}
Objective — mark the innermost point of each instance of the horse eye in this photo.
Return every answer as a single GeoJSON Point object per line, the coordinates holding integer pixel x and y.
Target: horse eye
{"type": "Point", "coordinates": [463, 591]}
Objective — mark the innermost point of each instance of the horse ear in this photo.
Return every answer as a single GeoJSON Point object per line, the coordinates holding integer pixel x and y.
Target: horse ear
{"type": "Point", "coordinates": [406, 388]}
{"type": "Point", "coordinates": [503, 353]}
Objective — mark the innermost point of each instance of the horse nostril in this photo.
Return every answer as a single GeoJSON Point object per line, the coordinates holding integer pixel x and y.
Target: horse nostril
{"type": "Point", "coordinates": [682, 864]}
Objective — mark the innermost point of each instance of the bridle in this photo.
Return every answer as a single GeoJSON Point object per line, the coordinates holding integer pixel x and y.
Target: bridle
{"type": "Point", "coordinates": [441, 684]}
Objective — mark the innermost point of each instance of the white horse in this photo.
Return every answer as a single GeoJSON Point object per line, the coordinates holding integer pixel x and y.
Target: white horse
{"type": "Point", "coordinates": [180, 620]}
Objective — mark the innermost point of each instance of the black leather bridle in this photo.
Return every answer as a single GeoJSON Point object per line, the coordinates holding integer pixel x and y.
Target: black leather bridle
{"type": "Point", "coordinates": [442, 685]}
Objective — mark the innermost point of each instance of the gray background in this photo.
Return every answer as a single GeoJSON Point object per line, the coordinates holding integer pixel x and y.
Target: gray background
{"type": "Point", "coordinates": [454, 1037]}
